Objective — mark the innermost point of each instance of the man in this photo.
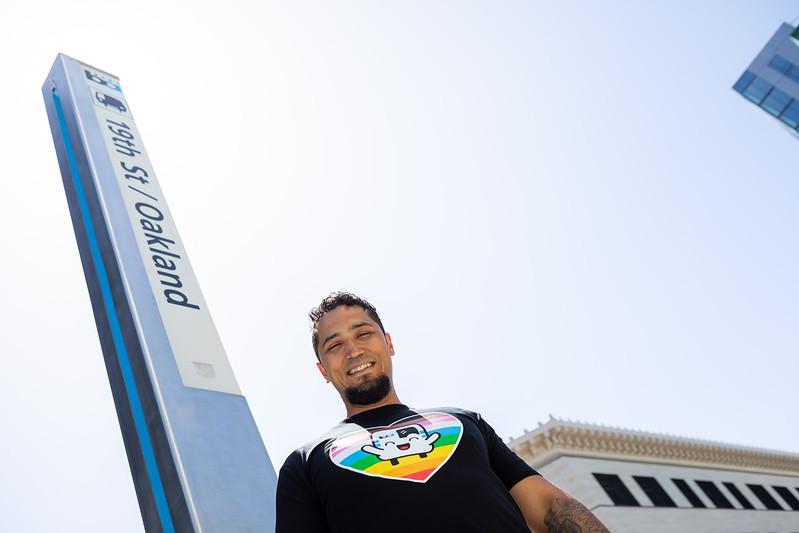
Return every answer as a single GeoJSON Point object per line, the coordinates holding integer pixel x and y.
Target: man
{"type": "Point", "coordinates": [388, 468]}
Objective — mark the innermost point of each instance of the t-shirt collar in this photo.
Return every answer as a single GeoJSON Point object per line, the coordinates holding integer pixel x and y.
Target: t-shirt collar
{"type": "Point", "coordinates": [377, 413]}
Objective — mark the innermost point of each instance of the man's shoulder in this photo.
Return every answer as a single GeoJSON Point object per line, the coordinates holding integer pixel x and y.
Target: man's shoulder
{"type": "Point", "coordinates": [301, 454]}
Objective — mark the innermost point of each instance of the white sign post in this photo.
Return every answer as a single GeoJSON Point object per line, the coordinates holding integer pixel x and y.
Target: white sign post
{"type": "Point", "coordinates": [197, 459]}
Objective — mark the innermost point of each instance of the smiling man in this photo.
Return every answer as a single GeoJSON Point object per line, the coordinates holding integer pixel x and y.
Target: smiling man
{"type": "Point", "coordinates": [389, 468]}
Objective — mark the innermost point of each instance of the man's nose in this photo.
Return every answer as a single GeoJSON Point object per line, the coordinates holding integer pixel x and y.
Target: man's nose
{"type": "Point", "coordinates": [352, 349]}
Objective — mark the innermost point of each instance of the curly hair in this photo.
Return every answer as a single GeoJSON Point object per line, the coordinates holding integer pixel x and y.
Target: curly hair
{"type": "Point", "coordinates": [333, 300]}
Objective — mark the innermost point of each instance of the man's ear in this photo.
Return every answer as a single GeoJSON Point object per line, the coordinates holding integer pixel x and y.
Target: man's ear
{"type": "Point", "coordinates": [389, 344]}
{"type": "Point", "coordinates": [323, 371]}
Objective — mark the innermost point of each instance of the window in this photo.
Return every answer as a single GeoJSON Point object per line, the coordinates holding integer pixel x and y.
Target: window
{"type": "Point", "coordinates": [789, 498]}
{"type": "Point", "coordinates": [715, 495]}
{"type": "Point", "coordinates": [791, 114]}
{"type": "Point", "coordinates": [652, 488]}
{"type": "Point", "coordinates": [744, 81]}
{"type": "Point", "coordinates": [780, 64]}
{"type": "Point", "coordinates": [793, 74]}
{"type": "Point", "coordinates": [739, 496]}
{"type": "Point", "coordinates": [775, 102]}
{"type": "Point", "coordinates": [767, 499]}
{"type": "Point", "coordinates": [616, 490]}
{"type": "Point", "coordinates": [757, 90]}
{"type": "Point", "coordinates": [689, 494]}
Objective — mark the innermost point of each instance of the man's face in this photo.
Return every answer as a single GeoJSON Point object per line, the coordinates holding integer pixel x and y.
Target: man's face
{"type": "Point", "coordinates": [354, 354]}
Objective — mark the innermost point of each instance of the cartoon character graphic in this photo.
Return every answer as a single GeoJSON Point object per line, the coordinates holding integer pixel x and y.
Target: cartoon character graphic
{"type": "Point", "coordinates": [391, 444]}
{"type": "Point", "coordinates": [402, 450]}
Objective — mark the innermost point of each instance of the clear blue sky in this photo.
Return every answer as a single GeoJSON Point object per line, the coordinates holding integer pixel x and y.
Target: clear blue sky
{"type": "Point", "coordinates": [557, 208]}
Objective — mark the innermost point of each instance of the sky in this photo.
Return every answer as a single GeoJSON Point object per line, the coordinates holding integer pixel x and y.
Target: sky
{"type": "Point", "coordinates": [558, 209]}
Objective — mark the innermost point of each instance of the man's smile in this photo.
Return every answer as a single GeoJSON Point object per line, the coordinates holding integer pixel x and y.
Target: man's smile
{"type": "Point", "coordinates": [360, 368]}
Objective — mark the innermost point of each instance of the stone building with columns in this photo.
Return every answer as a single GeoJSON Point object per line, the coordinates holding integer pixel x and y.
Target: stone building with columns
{"type": "Point", "coordinates": [638, 482]}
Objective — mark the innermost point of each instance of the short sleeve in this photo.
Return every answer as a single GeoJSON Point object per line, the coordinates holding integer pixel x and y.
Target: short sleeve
{"type": "Point", "coordinates": [298, 506]}
{"type": "Point", "coordinates": [509, 467]}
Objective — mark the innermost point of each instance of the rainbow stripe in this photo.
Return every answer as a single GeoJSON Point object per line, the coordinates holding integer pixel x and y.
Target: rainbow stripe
{"type": "Point", "coordinates": [346, 451]}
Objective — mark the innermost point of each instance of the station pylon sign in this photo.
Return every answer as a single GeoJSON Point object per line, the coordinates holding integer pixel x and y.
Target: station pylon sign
{"type": "Point", "coordinates": [197, 460]}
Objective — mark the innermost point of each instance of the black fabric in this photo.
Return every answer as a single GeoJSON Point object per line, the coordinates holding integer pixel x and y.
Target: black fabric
{"type": "Point", "coordinates": [435, 477]}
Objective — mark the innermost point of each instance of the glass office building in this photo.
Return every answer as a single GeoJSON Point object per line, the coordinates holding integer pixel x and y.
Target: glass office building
{"type": "Point", "coordinates": [772, 79]}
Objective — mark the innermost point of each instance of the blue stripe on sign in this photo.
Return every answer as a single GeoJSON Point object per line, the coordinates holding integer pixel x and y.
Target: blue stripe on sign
{"type": "Point", "coordinates": [145, 444]}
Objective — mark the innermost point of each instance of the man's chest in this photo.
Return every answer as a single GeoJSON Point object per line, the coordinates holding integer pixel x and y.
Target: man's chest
{"type": "Point", "coordinates": [418, 456]}
{"type": "Point", "coordinates": [430, 470]}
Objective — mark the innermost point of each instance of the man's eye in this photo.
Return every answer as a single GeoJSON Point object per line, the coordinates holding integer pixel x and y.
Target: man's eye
{"type": "Point", "coordinates": [365, 333]}
{"type": "Point", "coordinates": [333, 346]}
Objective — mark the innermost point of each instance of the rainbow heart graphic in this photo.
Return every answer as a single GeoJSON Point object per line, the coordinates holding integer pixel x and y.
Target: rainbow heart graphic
{"type": "Point", "coordinates": [411, 449]}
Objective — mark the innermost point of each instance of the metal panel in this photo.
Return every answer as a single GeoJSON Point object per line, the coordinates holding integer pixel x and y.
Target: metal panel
{"type": "Point", "coordinates": [197, 459]}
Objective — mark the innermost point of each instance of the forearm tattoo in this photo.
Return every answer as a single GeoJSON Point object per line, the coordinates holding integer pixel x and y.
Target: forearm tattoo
{"type": "Point", "coordinates": [567, 515]}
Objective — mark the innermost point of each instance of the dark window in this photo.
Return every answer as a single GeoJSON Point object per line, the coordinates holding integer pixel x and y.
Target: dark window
{"type": "Point", "coordinates": [744, 81]}
{"type": "Point", "coordinates": [793, 74]}
{"type": "Point", "coordinates": [789, 498]}
{"type": "Point", "coordinates": [757, 90]}
{"type": "Point", "coordinates": [689, 494]}
{"type": "Point", "coordinates": [775, 102]}
{"type": "Point", "coordinates": [767, 499]}
{"type": "Point", "coordinates": [655, 492]}
{"type": "Point", "coordinates": [715, 495]}
{"type": "Point", "coordinates": [791, 114]}
{"type": "Point", "coordinates": [616, 490]}
{"type": "Point", "coordinates": [780, 64]}
{"type": "Point", "coordinates": [739, 496]}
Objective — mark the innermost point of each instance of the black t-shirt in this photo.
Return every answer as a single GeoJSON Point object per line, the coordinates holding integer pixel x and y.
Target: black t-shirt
{"type": "Point", "coordinates": [393, 469]}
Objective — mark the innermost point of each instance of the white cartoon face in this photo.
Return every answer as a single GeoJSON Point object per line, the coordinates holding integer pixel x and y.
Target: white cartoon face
{"type": "Point", "coordinates": [391, 444]}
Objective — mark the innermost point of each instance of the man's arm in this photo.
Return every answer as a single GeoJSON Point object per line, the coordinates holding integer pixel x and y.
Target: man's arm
{"type": "Point", "coordinates": [547, 509]}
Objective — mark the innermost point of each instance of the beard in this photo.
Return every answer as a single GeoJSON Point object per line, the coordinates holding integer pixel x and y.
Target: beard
{"type": "Point", "coordinates": [369, 392]}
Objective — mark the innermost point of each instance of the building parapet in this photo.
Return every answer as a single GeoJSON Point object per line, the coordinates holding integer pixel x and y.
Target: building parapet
{"type": "Point", "coordinates": [559, 437]}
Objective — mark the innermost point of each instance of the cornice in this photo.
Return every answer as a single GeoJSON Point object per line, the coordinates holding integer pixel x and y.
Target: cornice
{"type": "Point", "coordinates": [562, 437]}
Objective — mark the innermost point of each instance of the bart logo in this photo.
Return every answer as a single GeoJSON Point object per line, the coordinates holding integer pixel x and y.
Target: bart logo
{"type": "Point", "coordinates": [102, 80]}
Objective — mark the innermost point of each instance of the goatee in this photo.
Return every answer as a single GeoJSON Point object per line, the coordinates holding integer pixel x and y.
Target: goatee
{"type": "Point", "coordinates": [369, 392]}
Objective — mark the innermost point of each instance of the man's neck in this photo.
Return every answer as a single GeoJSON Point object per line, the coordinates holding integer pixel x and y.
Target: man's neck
{"type": "Point", "coordinates": [390, 399]}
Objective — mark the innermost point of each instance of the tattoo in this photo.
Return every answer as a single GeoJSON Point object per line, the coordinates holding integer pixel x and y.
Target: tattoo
{"type": "Point", "coordinates": [567, 515]}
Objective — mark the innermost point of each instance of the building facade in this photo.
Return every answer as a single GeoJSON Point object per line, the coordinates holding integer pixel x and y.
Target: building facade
{"type": "Point", "coordinates": [772, 79]}
{"type": "Point", "coordinates": [638, 482]}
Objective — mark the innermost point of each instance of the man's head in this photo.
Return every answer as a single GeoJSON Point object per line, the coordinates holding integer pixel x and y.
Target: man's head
{"type": "Point", "coordinates": [353, 350]}
{"type": "Point", "coordinates": [334, 300]}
